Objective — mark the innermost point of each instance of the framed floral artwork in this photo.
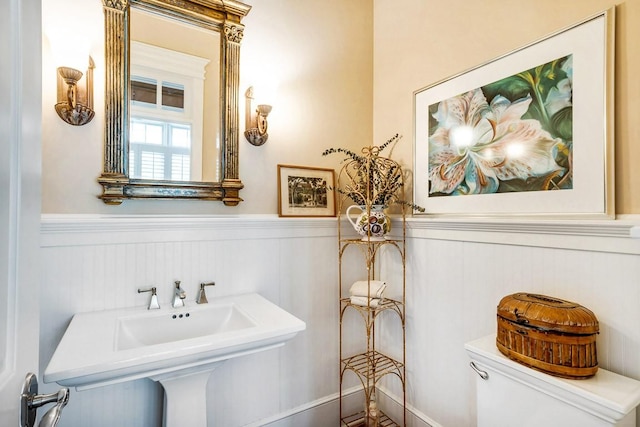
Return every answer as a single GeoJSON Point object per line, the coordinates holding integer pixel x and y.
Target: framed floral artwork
{"type": "Point", "coordinates": [529, 133]}
{"type": "Point", "coordinates": [306, 191]}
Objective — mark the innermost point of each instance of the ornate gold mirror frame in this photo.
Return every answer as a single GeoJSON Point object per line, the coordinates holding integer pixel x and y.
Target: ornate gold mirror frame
{"type": "Point", "coordinates": [223, 16]}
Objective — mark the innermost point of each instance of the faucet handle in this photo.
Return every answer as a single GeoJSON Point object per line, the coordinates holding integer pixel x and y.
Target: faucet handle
{"type": "Point", "coordinates": [202, 296]}
{"type": "Point", "coordinates": [153, 302]}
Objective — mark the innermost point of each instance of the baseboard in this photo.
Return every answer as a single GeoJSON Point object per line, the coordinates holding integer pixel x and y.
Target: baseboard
{"type": "Point", "coordinates": [392, 405]}
{"type": "Point", "coordinates": [323, 412]}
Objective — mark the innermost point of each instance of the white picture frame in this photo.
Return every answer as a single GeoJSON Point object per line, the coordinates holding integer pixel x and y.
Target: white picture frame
{"type": "Point", "coordinates": [590, 46]}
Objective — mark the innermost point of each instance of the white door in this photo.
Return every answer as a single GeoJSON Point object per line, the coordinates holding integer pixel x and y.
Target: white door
{"type": "Point", "coordinates": [20, 173]}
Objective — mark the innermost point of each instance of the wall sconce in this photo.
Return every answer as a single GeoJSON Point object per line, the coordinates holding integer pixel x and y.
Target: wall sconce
{"type": "Point", "coordinates": [75, 104]}
{"type": "Point", "coordinates": [256, 120]}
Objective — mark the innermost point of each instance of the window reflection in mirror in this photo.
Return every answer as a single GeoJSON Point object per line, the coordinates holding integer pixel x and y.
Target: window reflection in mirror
{"type": "Point", "coordinates": [160, 143]}
{"type": "Point", "coordinates": [174, 126]}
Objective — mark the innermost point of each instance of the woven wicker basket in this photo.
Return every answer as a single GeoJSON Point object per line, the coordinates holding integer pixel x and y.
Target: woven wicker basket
{"type": "Point", "coordinates": [548, 334]}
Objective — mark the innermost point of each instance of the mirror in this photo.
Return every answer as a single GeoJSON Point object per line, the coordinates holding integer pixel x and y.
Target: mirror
{"type": "Point", "coordinates": [197, 103]}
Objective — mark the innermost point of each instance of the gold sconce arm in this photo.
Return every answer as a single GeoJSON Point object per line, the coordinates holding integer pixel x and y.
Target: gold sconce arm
{"type": "Point", "coordinates": [256, 120]}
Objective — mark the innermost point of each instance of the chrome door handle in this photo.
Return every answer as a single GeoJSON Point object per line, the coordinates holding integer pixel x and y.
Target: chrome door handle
{"type": "Point", "coordinates": [30, 401]}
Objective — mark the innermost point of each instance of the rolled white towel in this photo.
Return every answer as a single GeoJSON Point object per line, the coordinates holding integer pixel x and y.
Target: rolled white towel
{"type": "Point", "coordinates": [364, 301]}
{"type": "Point", "coordinates": [373, 289]}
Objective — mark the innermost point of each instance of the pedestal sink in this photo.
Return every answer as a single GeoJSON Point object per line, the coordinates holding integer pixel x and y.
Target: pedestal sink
{"type": "Point", "coordinates": [177, 347]}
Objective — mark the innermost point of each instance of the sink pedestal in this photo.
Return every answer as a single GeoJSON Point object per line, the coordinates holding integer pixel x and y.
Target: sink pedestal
{"type": "Point", "coordinates": [185, 395]}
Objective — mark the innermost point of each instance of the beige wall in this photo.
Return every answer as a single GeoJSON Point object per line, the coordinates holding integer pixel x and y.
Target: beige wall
{"type": "Point", "coordinates": [321, 55]}
{"type": "Point", "coordinates": [318, 53]}
{"type": "Point", "coordinates": [420, 42]}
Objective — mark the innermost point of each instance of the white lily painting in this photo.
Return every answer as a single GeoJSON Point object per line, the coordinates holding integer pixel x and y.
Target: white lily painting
{"type": "Point", "coordinates": [512, 135]}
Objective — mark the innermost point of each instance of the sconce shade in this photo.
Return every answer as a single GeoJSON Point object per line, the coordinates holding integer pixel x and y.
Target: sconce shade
{"type": "Point", "coordinates": [75, 105]}
{"type": "Point", "coordinates": [70, 75]}
{"type": "Point", "coordinates": [264, 110]}
{"type": "Point", "coordinates": [256, 120]}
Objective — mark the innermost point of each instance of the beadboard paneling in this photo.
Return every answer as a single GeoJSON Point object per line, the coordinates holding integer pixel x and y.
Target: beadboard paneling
{"type": "Point", "coordinates": [453, 287]}
{"type": "Point", "coordinates": [293, 266]}
{"type": "Point", "coordinates": [456, 286]}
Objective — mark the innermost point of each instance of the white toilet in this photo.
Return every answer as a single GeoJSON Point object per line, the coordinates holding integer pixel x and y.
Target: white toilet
{"type": "Point", "coordinates": [513, 395]}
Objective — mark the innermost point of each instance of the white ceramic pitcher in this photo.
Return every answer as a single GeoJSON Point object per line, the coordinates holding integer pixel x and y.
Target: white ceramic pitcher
{"type": "Point", "coordinates": [372, 225]}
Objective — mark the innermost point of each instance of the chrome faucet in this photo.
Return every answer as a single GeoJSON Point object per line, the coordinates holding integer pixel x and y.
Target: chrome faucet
{"type": "Point", "coordinates": [178, 296]}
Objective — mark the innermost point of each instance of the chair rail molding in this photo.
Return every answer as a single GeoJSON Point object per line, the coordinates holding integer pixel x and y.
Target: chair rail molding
{"type": "Point", "coordinates": [78, 230]}
{"type": "Point", "coordinates": [621, 235]}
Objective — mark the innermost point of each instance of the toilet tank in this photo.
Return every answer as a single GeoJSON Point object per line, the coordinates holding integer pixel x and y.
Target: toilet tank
{"type": "Point", "coordinates": [510, 394]}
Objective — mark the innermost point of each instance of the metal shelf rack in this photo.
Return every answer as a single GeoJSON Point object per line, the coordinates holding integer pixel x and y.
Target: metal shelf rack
{"type": "Point", "coordinates": [371, 364]}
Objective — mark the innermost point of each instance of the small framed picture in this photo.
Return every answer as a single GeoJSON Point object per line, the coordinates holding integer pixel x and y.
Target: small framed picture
{"type": "Point", "coordinates": [306, 191]}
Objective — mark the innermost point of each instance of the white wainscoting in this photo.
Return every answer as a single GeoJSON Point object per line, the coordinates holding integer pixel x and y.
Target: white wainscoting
{"type": "Point", "coordinates": [95, 263]}
{"type": "Point", "coordinates": [457, 273]}
{"type": "Point", "coordinates": [456, 285]}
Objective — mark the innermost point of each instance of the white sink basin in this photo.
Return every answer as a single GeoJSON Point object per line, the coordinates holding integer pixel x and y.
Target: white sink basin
{"type": "Point", "coordinates": [163, 326]}
{"type": "Point", "coordinates": [112, 346]}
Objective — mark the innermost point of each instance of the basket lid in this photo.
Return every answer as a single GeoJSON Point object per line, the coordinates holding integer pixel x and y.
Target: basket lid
{"type": "Point", "coordinates": [548, 313]}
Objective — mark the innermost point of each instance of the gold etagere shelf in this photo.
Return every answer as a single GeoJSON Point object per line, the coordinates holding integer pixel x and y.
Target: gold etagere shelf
{"type": "Point", "coordinates": [357, 420]}
{"type": "Point", "coordinates": [368, 179]}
